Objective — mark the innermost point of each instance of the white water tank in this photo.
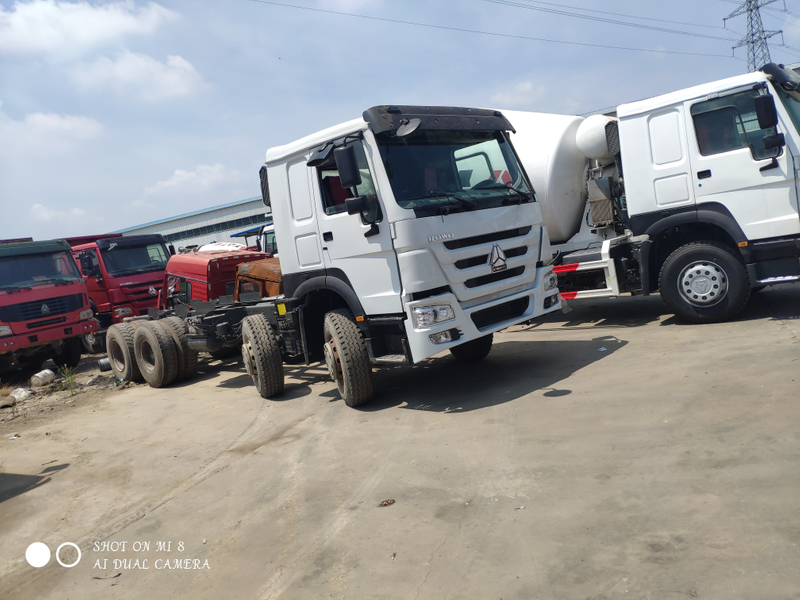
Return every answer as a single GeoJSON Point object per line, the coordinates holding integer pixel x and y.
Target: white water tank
{"type": "Point", "coordinates": [545, 143]}
{"type": "Point", "coordinates": [591, 137]}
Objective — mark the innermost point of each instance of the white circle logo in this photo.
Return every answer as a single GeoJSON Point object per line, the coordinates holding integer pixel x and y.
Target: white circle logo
{"type": "Point", "coordinates": [58, 558]}
{"type": "Point", "coordinates": [37, 554]}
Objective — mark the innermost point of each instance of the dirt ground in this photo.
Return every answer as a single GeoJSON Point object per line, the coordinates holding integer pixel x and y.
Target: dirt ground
{"type": "Point", "coordinates": [612, 452]}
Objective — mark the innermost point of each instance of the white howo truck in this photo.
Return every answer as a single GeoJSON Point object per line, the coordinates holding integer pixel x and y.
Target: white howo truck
{"type": "Point", "coordinates": [694, 193]}
{"type": "Point", "coordinates": [402, 234]}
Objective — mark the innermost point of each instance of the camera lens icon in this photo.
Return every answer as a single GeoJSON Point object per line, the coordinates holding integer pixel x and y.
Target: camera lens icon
{"type": "Point", "coordinates": [38, 555]}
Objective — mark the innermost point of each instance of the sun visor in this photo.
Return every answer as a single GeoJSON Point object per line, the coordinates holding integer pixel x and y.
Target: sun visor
{"type": "Point", "coordinates": [382, 119]}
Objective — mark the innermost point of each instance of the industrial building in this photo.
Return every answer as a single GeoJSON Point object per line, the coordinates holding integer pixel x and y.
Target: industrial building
{"type": "Point", "coordinates": [215, 224]}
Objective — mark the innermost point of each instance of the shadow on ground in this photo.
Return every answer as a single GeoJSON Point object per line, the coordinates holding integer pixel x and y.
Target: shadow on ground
{"type": "Point", "coordinates": [512, 370]}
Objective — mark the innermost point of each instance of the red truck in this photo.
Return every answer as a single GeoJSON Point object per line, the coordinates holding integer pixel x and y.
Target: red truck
{"type": "Point", "coordinates": [123, 276]}
{"type": "Point", "coordinates": [44, 306]}
{"type": "Point", "coordinates": [203, 276]}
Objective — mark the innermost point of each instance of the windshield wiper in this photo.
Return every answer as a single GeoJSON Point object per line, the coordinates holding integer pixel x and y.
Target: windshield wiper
{"type": "Point", "coordinates": [12, 289]}
{"type": "Point", "coordinates": [521, 196]}
{"type": "Point", "coordinates": [471, 204]}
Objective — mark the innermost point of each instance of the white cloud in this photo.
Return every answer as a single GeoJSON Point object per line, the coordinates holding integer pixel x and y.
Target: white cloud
{"type": "Point", "coordinates": [45, 133]}
{"type": "Point", "coordinates": [523, 95]}
{"type": "Point", "coordinates": [66, 219]}
{"type": "Point", "coordinates": [140, 74]}
{"type": "Point", "coordinates": [204, 177]}
{"type": "Point", "coordinates": [62, 30]}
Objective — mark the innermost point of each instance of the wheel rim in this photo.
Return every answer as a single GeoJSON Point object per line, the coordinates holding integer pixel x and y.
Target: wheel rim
{"type": "Point", "coordinates": [148, 357]}
{"type": "Point", "coordinates": [248, 358]}
{"type": "Point", "coordinates": [332, 361]}
{"type": "Point", "coordinates": [117, 357]}
{"type": "Point", "coordinates": [703, 283]}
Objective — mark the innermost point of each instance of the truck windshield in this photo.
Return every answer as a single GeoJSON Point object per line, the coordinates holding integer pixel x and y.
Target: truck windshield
{"type": "Point", "coordinates": [27, 271]}
{"type": "Point", "coordinates": [439, 172]}
{"type": "Point", "coordinates": [791, 101]}
{"type": "Point", "coordinates": [129, 260]}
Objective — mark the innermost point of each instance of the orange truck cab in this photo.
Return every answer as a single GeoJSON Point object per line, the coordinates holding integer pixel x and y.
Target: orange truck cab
{"type": "Point", "coordinates": [202, 276]}
{"type": "Point", "coordinates": [123, 276]}
{"type": "Point", "coordinates": [44, 305]}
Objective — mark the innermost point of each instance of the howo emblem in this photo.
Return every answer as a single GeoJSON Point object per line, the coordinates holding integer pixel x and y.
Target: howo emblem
{"type": "Point", "coordinates": [45, 309]}
{"type": "Point", "coordinates": [497, 259]}
{"type": "Point", "coordinates": [152, 291]}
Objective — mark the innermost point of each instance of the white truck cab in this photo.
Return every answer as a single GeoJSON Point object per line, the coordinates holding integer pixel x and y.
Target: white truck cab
{"type": "Point", "coordinates": [693, 193]}
{"type": "Point", "coordinates": [405, 233]}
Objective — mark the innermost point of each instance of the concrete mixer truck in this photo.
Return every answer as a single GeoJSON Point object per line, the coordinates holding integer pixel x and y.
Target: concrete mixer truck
{"type": "Point", "coordinates": [693, 193]}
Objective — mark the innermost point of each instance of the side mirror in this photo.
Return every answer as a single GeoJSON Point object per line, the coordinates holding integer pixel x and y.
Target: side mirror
{"type": "Point", "coordinates": [774, 141]}
{"type": "Point", "coordinates": [359, 204]}
{"type": "Point", "coordinates": [347, 165]}
{"type": "Point", "coordinates": [262, 173]}
{"type": "Point", "coordinates": [171, 250]}
{"type": "Point", "coordinates": [766, 112]}
{"type": "Point", "coordinates": [86, 264]}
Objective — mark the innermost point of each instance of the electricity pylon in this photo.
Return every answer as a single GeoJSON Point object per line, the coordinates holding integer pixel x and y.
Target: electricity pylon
{"type": "Point", "coordinates": [756, 38]}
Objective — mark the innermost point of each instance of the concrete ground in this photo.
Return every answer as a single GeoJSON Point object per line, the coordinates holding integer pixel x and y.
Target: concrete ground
{"type": "Point", "coordinates": [609, 453]}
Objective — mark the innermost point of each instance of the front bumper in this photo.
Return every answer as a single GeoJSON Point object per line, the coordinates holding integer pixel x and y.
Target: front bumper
{"type": "Point", "coordinates": [479, 320]}
{"type": "Point", "coordinates": [42, 337]}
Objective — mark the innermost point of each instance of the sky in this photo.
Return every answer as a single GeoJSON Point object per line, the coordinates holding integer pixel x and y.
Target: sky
{"type": "Point", "coordinates": [114, 114]}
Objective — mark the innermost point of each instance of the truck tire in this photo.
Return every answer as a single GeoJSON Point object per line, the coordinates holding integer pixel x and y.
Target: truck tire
{"type": "Point", "coordinates": [70, 353]}
{"type": "Point", "coordinates": [474, 350]}
{"type": "Point", "coordinates": [187, 359]}
{"type": "Point", "coordinates": [704, 282]}
{"type": "Point", "coordinates": [94, 344]}
{"type": "Point", "coordinates": [262, 356]}
{"type": "Point", "coordinates": [155, 354]}
{"type": "Point", "coordinates": [347, 357]}
{"type": "Point", "coordinates": [119, 345]}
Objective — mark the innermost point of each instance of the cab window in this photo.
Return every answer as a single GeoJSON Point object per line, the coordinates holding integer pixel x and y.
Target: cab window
{"type": "Point", "coordinates": [730, 123]}
{"type": "Point", "coordinates": [334, 195]}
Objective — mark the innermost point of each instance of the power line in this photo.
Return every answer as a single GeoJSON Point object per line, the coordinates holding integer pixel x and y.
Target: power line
{"type": "Point", "coordinates": [605, 12]}
{"type": "Point", "coordinates": [480, 32]}
{"type": "Point", "coordinates": [611, 21]}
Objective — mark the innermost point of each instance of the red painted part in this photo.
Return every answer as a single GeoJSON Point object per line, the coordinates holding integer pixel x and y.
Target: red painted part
{"type": "Point", "coordinates": [568, 295]}
{"type": "Point", "coordinates": [566, 268]}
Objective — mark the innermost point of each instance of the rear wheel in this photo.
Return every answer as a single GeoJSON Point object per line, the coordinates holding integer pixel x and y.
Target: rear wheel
{"type": "Point", "coordinates": [70, 353]}
{"type": "Point", "coordinates": [121, 355]}
{"type": "Point", "coordinates": [156, 354]}
{"type": "Point", "coordinates": [347, 357]}
{"type": "Point", "coordinates": [187, 359]}
{"type": "Point", "coordinates": [262, 356]}
{"type": "Point", "coordinates": [474, 350]}
{"type": "Point", "coordinates": [704, 282]}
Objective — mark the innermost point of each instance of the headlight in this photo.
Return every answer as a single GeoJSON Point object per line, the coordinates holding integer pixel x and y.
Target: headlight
{"type": "Point", "coordinates": [427, 316]}
{"type": "Point", "coordinates": [125, 310]}
{"type": "Point", "coordinates": [5, 330]}
{"type": "Point", "coordinates": [86, 314]}
{"type": "Point", "coordinates": [550, 282]}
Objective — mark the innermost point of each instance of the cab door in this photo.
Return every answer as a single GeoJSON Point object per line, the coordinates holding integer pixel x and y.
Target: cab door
{"type": "Point", "coordinates": [731, 166]}
{"type": "Point", "coordinates": [367, 262]}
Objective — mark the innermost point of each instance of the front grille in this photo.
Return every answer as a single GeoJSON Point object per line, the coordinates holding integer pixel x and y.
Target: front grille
{"type": "Point", "coordinates": [476, 261]}
{"type": "Point", "coordinates": [499, 276]}
{"type": "Point", "coordinates": [445, 289]}
{"type": "Point", "coordinates": [25, 311]}
{"type": "Point", "coordinates": [45, 323]}
{"type": "Point", "coordinates": [487, 238]}
{"type": "Point", "coordinates": [487, 317]}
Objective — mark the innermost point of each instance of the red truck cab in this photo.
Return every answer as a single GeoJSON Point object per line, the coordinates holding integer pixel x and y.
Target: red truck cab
{"type": "Point", "coordinates": [123, 276]}
{"type": "Point", "coordinates": [44, 305]}
{"type": "Point", "coordinates": [202, 276]}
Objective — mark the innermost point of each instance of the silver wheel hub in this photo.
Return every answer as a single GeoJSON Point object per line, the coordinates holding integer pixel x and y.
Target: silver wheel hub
{"type": "Point", "coordinates": [703, 283]}
{"type": "Point", "coordinates": [247, 359]}
{"type": "Point", "coordinates": [331, 360]}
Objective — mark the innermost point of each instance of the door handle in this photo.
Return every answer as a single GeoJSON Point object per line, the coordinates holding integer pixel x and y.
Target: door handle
{"type": "Point", "coordinates": [704, 174]}
{"type": "Point", "coordinates": [327, 236]}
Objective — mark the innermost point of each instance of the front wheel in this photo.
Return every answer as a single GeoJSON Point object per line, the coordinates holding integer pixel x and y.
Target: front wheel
{"type": "Point", "coordinates": [704, 282]}
{"type": "Point", "coordinates": [94, 344]}
{"type": "Point", "coordinates": [347, 357]}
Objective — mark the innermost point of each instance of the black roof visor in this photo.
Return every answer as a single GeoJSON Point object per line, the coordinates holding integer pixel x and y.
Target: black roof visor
{"type": "Point", "coordinates": [786, 78]}
{"type": "Point", "coordinates": [130, 240]}
{"type": "Point", "coordinates": [389, 118]}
